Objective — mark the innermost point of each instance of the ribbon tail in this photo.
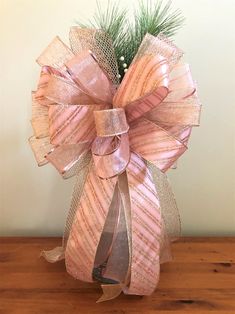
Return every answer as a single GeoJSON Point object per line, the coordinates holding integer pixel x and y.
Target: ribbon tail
{"type": "Point", "coordinates": [107, 241]}
{"type": "Point", "coordinates": [113, 257]}
{"type": "Point", "coordinates": [110, 292]}
{"type": "Point", "coordinates": [53, 255]}
{"type": "Point", "coordinates": [58, 253]}
{"type": "Point", "coordinates": [169, 209]}
{"type": "Point", "coordinates": [146, 224]}
{"type": "Point", "coordinates": [77, 193]}
{"type": "Point", "coordinates": [88, 224]}
{"type": "Point", "coordinates": [171, 226]}
{"type": "Point", "coordinates": [119, 260]}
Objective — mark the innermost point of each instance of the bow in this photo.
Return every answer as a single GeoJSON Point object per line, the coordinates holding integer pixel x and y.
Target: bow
{"type": "Point", "coordinates": [119, 140]}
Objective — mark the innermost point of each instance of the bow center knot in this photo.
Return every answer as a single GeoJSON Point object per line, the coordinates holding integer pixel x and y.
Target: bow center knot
{"type": "Point", "coordinates": [110, 149]}
{"type": "Point", "coordinates": [111, 122]}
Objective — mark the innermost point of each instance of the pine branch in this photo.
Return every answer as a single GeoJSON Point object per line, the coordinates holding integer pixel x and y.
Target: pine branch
{"type": "Point", "coordinates": [152, 16]}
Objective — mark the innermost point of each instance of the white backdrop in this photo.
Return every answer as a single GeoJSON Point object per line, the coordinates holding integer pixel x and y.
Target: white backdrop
{"type": "Point", "coordinates": [34, 200]}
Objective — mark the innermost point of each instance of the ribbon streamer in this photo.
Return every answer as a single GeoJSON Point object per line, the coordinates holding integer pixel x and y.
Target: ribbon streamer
{"type": "Point", "coordinates": [118, 140]}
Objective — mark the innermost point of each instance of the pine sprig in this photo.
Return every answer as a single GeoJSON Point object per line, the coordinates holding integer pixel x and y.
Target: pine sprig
{"type": "Point", "coordinates": [152, 16]}
{"type": "Point", "coordinates": [111, 20]}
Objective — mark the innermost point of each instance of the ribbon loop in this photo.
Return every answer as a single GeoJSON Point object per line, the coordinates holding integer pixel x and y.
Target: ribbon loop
{"type": "Point", "coordinates": [67, 157]}
{"type": "Point", "coordinates": [144, 86]}
{"type": "Point", "coordinates": [87, 74]}
{"type": "Point", "coordinates": [111, 155]}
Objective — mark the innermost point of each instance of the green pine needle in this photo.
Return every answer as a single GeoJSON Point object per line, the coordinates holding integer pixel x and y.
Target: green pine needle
{"type": "Point", "coordinates": [152, 17]}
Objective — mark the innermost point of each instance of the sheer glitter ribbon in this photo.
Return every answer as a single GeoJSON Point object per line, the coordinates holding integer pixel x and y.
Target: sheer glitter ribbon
{"type": "Point", "coordinates": [119, 140]}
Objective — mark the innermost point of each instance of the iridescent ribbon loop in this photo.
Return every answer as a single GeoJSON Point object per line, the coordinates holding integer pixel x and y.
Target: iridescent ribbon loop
{"type": "Point", "coordinates": [111, 155]}
{"type": "Point", "coordinates": [118, 139]}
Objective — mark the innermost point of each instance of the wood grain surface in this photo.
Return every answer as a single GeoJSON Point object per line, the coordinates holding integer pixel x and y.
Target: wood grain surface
{"type": "Point", "coordinates": [200, 279]}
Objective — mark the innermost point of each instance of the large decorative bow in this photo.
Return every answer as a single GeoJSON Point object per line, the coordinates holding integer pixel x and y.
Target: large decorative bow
{"type": "Point", "coordinates": [118, 139]}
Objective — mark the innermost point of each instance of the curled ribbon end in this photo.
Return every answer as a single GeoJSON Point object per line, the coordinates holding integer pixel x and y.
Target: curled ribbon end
{"type": "Point", "coordinates": [110, 292]}
{"type": "Point", "coordinates": [53, 255]}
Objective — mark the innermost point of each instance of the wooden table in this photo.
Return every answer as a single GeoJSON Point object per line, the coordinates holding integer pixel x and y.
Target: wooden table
{"type": "Point", "coordinates": [201, 279]}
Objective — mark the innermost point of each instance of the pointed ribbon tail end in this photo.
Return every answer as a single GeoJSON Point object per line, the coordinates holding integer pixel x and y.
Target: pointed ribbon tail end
{"type": "Point", "coordinates": [54, 255]}
{"type": "Point", "coordinates": [110, 292]}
